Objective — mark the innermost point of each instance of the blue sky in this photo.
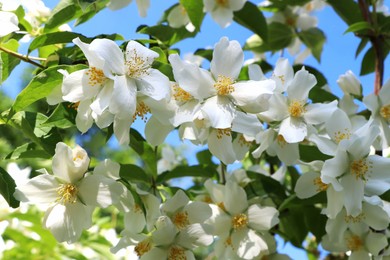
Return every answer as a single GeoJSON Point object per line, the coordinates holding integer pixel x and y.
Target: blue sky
{"type": "Point", "coordinates": [338, 55]}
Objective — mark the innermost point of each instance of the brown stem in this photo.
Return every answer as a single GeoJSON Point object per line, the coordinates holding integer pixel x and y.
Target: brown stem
{"type": "Point", "coordinates": [23, 57]}
{"type": "Point", "coordinates": [376, 41]}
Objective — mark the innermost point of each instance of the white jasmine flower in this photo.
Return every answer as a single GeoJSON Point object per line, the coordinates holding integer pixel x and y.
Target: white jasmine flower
{"type": "Point", "coordinates": [222, 10]}
{"type": "Point", "coordinates": [70, 194]}
{"type": "Point", "coordinates": [143, 5]}
{"type": "Point", "coordinates": [9, 23]}
{"type": "Point", "coordinates": [349, 84]}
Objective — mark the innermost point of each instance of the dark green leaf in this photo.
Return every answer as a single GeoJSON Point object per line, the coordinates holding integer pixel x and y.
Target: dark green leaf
{"type": "Point", "coordinates": [348, 10]}
{"type": "Point", "coordinates": [368, 62]}
{"type": "Point", "coordinates": [311, 153]}
{"type": "Point", "coordinates": [315, 221]}
{"type": "Point", "coordinates": [42, 85]}
{"type": "Point", "coordinates": [204, 157]}
{"type": "Point", "coordinates": [194, 9]}
{"type": "Point", "coordinates": [166, 34]}
{"type": "Point", "coordinates": [145, 151]}
{"type": "Point", "coordinates": [54, 38]}
{"type": "Point", "coordinates": [131, 172]}
{"type": "Point", "coordinates": [90, 9]}
{"type": "Point", "coordinates": [7, 61]}
{"type": "Point", "coordinates": [282, 4]}
{"type": "Point", "coordinates": [65, 11]}
{"type": "Point", "coordinates": [252, 18]}
{"type": "Point", "coordinates": [314, 39]}
{"type": "Point", "coordinates": [188, 171]}
{"type": "Point", "coordinates": [205, 53]}
{"type": "Point", "coordinates": [7, 188]}
{"type": "Point", "coordinates": [361, 46]}
{"type": "Point", "coordinates": [292, 226]}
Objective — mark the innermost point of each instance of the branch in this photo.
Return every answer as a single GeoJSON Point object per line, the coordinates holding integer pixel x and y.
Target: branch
{"type": "Point", "coordinates": [376, 41]}
{"type": "Point", "coordinates": [24, 57]}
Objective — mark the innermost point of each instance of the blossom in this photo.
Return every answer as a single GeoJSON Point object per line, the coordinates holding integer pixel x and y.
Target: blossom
{"type": "Point", "coordinates": [222, 10]}
{"type": "Point", "coordinates": [239, 225]}
{"type": "Point", "coordinates": [9, 23]}
{"type": "Point", "coordinates": [350, 84]}
{"type": "Point", "coordinates": [71, 195]}
{"type": "Point", "coordinates": [178, 17]}
{"type": "Point", "coordinates": [143, 5]}
{"type": "Point", "coordinates": [294, 111]}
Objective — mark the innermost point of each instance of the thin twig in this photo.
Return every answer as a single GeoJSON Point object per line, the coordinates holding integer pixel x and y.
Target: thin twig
{"type": "Point", "coordinates": [24, 57]}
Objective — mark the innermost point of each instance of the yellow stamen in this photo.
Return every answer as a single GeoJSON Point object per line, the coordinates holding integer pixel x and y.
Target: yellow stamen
{"type": "Point", "coordinates": [222, 132]}
{"type": "Point", "coordinates": [320, 185]}
{"type": "Point", "coordinates": [180, 219]}
{"type": "Point", "coordinates": [177, 253]}
{"type": "Point", "coordinates": [239, 221]}
{"type": "Point", "coordinates": [357, 219]}
{"type": "Point", "coordinates": [296, 108]}
{"type": "Point", "coordinates": [223, 3]}
{"type": "Point", "coordinates": [224, 85]}
{"type": "Point", "coordinates": [360, 168]}
{"type": "Point", "coordinates": [385, 112]}
{"type": "Point", "coordinates": [354, 242]}
{"type": "Point", "coordinates": [221, 205]}
{"type": "Point", "coordinates": [143, 247]}
{"type": "Point", "coordinates": [67, 193]}
{"type": "Point", "coordinates": [180, 94]}
{"type": "Point", "coordinates": [339, 135]}
{"type": "Point", "coordinates": [75, 106]}
{"type": "Point", "coordinates": [281, 141]}
{"type": "Point", "coordinates": [136, 65]}
{"type": "Point", "coordinates": [96, 76]}
{"type": "Point", "coordinates": [141, 111]}
{"type": "Point", "coordinates": [243, 142]}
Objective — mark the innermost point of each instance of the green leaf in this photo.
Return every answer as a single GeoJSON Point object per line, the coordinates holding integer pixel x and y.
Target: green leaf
{"type": "Point", "coordinates": [164, 68]}
{"type": "Point", "coordinates": [65, 11]}
{"type": "Point", "coordinates": [7, 61]}
{"type": "Point", "coordinates": [314, 39]}
{"type": "Point", "coordinates": [166, 34]}
{"type": "Point", "coordinates": [204, 157]}
{"type": "Point", "coordinates": [368, 62]}
{"type": "Point", "coordinates": [42, 85]}
{"type": "Point", "coordinates": [194, 9]}
{"type": "Point", "coordinates": [282, 4]}
{"type": "Point", "coordinates": [188, 171]}
{"type": "Point", "coordinates": [315, 221]}
{"type": "Point", "coordinates": [131, 172]}
{"type": "Point", "coordinates": [361, 46]}
{"type": "Point", "coordinates": [359, 26]}
{"type": "Point", "coordinates": [292, 226]}
{"type": "Point", "coordinates": [252, 18]}
{"type": "Point", "coordinates": [205, 53]}
{"type": "Point", "coordinates": [62, 117]}
{"type": "Point", "coordinates": [90, 9]}
{"type": "Point", "coordinates": [7, 188]}
{"type": "Point", "coordinates": [279, 37]}
{"type": "Point", "coordinates": [145, 151]}
{"type": "Point", "coordinates": [311, 153]}
{"type": "Point", "coordinates": [54, 38]}
{"type": "Point", "coordinates": [30, 123]}
{"type": "Point", "coordinates": [348, 10]}
{"type": "Point", "coordinates": [29, 150]}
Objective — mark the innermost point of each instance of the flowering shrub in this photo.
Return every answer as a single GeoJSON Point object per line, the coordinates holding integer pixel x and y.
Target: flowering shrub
{"type": "Point", "coordinates": [313, 165]}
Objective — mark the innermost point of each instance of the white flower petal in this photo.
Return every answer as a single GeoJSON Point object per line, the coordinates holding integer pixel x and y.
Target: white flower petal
{"type": "Point", "coordinates": [220, 112]}
{"type": "Point", "coordinates": [305, 186]}
{"type": "Point", "coordinates": [300, 86]}
{"type": "Point", "coordinates": [40, 189]}
{"type": "Point", "coordinates": [293, 130]}
{"type": "Point", "coordinates": [177, 202]}
{"type": "Point", "coordinates": [235, 199]}
{"type": "Point", "coordinates": [248, 244]}
{"type": "Point", "coordinates": [135, 221]}
{"type": "Point", "coordinates": [124, 98]}
{"type": "Point", "coordinates": [154, 84]}
{"type": "Point", "coordinates": [354, 194]}
{"type": "Point", "coordinates": [319, 113]}
{"type": "Point", "coordinates": [227, 59]}
{"type": "Point", "coordinates": [221, 146]}
{"type": "Point", "coordinates": [262, 218]}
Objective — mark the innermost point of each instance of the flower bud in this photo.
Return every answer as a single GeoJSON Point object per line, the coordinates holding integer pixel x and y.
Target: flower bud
{"type": "Point", "coordinates": [350, 84]}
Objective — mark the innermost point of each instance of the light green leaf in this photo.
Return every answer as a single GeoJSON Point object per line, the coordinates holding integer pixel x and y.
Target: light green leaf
{"type": "Point", "coordinates": [7, 61]}
{"type": "Point", "coordinates": [314, 39]}
{"type": "Point", "coordinates": [131, 172]}
{"type": "Point", "coordinates": [62, 117]}
{"type": "Point", "coordinates": [188, 171]}
{"type": "Point", "coordinates": [29, 150]}
{"type": "Point", "coordinates": [252, 18]}
{"type": "Point", "coordinates": [65, 11]}
{"type": "Point", "coordinates": [42, 85]}
{"type": "Point", "coordinates": [194, 9]}
{"type": "Point", "coordinates": [359, 26]}
{"type": "Point", "coordinates": [311, 153]}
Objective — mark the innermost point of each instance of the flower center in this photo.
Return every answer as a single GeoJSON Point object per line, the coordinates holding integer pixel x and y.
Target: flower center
{"type": "Point", "coordinates": [385, 112]}
{"type": "Point", "coordinates": [354, 242]}
{"type": "Point", "coordinates": [339, 135]}
{"type": "Point", "coordinates": [136, 65]}
{"type": "Point", "coordinates": [141, 111]}
{"type": "Point", "coordinates": [96, 76]}
{"type": "Point", "coordinates": [239, 221]}
{"type": "Point", "coordinates": [67, 193]}
{"type": "Point", "coordinates": [143, 247]}
{"type": "Point", "coordinates": [291, 21]}
{"type": "Point", "coordinates": [176, 253]}
{"type": "Point", "coordinates": [221, 205]}
{"type": "Point", "coordinates": [296, 108]}
{"type": "Point", "coordinates": [180, 219]}
{"type": "Point", "coordinates": [360, 168]}
{"type": "Point", "coordinates": [357, 219]}
{"type": "Point", "coordinates": [281, 141]}
{"type": "Point", "coordinates": [228, 242]}
{"type": "Point", "coordinates": [180, 94]}
{"type": "Point", "coordinates": [225, 131]}
{"type": "Point", "coordinates": [320, 185]}
{"type": "Point", "coordinates": [243, 142]}
{"type": "Point", "coordinates": [224, 85]}
{"type": "Point", "coordinates": [223, 3]}
{"type": "Point", "coordinates": [75, 106]}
